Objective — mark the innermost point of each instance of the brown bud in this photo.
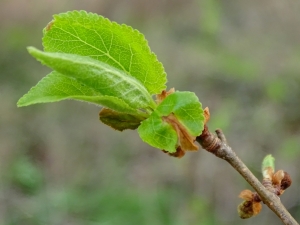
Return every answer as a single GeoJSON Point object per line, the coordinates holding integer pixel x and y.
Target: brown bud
{"type": "Point", "coordinates": [277, 177]}
{"type": "Point", "coordinates": [248, 209]}
{"type": "Point", "coordinates": [251, 206]}
{"type": "Point", "coordinates": [245, 210]}
{"type": "Point", "coordinates": [286, 181]}
{"type": "Point", "coordinates": [256, 208]}
{"type": "Point", "coordinates": [281, 180]}
{"type": "Point", "coordinates": [246, 195]}
{"type": "Point", "coordinates": [268, 172]}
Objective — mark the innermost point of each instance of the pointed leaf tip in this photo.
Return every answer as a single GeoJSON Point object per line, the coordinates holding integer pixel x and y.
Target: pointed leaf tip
{"type": "Point", "coordinates": [268, 166]}
{"type": "Point", "coordinates": [268, 161]}
{"type": "Point", "coordinates": [99, 77]}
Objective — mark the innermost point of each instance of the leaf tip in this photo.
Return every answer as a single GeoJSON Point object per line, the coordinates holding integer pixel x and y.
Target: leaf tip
{"type": "Point", "coordinates": [20, 103]}
{"type": "Point", "coordinates": [30, 48]}
{"type": "Point", "coordinates": [268, 161]}
{"type": "Point", "coordinates": [268, 166]}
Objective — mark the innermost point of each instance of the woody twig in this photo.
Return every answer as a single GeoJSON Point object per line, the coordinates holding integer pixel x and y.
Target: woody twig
{"type": "Point", "coordinates": [217, 145]}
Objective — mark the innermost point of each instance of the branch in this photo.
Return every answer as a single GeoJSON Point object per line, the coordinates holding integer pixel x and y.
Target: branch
{"type": "Point", "coordinates": [217, 145]}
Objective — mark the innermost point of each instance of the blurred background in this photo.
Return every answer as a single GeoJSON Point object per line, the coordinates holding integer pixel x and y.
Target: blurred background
{"type": "Point", "coordinates": [60, 165]}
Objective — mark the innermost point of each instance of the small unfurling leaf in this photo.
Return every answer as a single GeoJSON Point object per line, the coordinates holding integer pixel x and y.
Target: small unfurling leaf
{"type": "Point", "coordinates": [176, 122]}
{"type": "Point", "coordinates": [268, 167]}
{"type": "Point", "coordinates": [119, 121]}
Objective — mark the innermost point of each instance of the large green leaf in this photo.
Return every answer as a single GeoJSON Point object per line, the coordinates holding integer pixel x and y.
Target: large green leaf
{"type": "Point", "coordinates": [84, 78]}
{"type": "Point", "coordinates": [185, 108]}
{"type": "Point", "coordinates": [56, 87]}
{"type": "Point", "coordinates": [120, 46]}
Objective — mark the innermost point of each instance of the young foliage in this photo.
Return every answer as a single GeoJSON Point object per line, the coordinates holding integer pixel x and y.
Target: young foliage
{"type": "Point", "coordinates": [100, 78]}
{"type": "Point", "coordinates": [175, 123]}
{"type": "Point", "coordinates": [268, 166]}
{"type": "Point", "coordinates": [99, 61]}
{"type": "Point", "coordinates": [120, 46]}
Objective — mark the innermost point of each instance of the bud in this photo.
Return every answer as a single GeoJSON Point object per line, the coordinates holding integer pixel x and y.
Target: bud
{"type": "Point", "coordinates": [286, 181]}
{"type": "Point", "coordinates": [273, 182]}
{"type": "Point", "coordinates": [268, 167]}
{"type": "Point", "coordinates": [281, 180]}
{"type": "Point", "coordinates": [251, 206]}
{"type": "Point", "coordinates": [248, 209]}
{"type": "Point", "coordinates": [246, 195]}
{"type": "Point", "coordinates": [277, 177]}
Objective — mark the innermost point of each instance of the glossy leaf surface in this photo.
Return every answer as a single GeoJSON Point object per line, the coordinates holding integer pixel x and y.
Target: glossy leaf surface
{"type": "Point", "coordinates": [84, 78]}
{"type": "Point", "coordinates": [120, 46]}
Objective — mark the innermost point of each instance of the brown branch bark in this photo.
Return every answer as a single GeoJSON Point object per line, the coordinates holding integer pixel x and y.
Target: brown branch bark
{"type": "Point", "coordinates": [217, 145]}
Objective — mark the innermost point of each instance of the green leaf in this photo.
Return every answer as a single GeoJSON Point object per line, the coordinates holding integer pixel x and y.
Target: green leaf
{"type": "Point", "coordinates": [84, 78]}
{"type": "Point", "coordinates": [268, 161]}
{"type": "Point", "coordinates": [159, 133]}
{"type": "Point", "coordinates": [56, 87]}
{"type": "Point", "coordinates": [120, 46]}
{"type": "Point", "coordinates": [268, 166]}
{"type": "Point", "coordinates": [118, 120]}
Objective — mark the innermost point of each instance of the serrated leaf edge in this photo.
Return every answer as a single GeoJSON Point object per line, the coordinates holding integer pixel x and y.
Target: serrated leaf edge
{"type": "Point", "coordinates": [115, 24]}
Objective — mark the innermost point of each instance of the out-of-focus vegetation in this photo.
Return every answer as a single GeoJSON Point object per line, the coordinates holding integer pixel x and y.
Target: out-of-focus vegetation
{"type": "Point", "coordinates": [60, 165]}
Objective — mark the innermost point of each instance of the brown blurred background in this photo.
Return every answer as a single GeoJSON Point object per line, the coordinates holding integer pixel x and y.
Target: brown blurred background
{"type": "Point", "coordinates": [60, 165]}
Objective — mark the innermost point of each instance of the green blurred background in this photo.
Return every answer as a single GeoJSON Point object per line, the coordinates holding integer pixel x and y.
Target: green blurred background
{"type": "Point", "coordinates": [60, 165]}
